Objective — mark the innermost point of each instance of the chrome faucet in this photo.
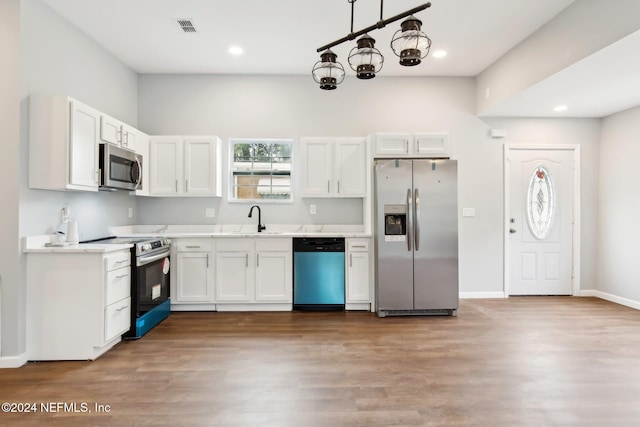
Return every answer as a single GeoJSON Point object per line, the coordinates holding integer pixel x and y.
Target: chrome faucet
{"type": "Point", "coordinates": [260, 226]}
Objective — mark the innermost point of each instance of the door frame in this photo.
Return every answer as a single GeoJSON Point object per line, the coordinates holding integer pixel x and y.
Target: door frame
{"type": "Point", "coordinates": [575, 232]}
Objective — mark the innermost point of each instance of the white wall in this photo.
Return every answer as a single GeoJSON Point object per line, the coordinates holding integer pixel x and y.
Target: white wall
{"type": "Point", "coordinates": [58, 59]}
{"type": "Point", "coordinates": [293, 106]}
{"type": "Point", "coordinates": [11, 298]}
{"type": "Point", "coordinates": [290, 107]}
{"type": "Point", "coordinates": [580, 30]}
{"type": "Point", "coordinates": [583, 132]}
{"type": "Point", "coordinates": [619, 226]}
{"type": "Point", "coordinates": [43, 53]}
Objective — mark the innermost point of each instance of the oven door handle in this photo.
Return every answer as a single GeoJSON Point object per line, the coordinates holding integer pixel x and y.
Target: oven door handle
{"type": "Point", "coordinates": [144, 260]}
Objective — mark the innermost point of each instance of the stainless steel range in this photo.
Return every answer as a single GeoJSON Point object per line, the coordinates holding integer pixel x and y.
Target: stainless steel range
{"type": "Point", "coordinates": [150, 279]}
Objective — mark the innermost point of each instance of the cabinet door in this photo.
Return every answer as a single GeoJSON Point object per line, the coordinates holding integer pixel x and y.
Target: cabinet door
{"type": "Point", "coordinates": [389, 144]}
{"type": "Point", "coordinates": [350, 166]}
{"type": "Point", "coordinates": [273, 276]}
{"type": "Point", "coordinates": [110, 130]}
{"type": "Point", "coordinates": [317, 166]}
{"type": "Point", "coordinates": [199, 166]}
{"type": "Point", "coordinates": [234, 277]}
{"type": "Point", "coordinates": [166, 155]}
{"type": "Point", "coordinates": [358, 277]}
{"type": "Point", "coordinates": [129, 138]}
{"type": "Point", "coordinates": [83, 146]}
{"type": "Point", "coordinates": [432, 145]}
{"type": "Point", "coordinates": [194, 279]}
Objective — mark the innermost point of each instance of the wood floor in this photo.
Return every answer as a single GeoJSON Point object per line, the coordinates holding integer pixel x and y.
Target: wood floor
{"type": "Point", "coordinates": [529, 361]}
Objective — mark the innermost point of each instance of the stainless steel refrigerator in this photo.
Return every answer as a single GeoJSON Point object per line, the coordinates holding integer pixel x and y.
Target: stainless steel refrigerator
{"type": "Point", "coordinates": [416, 236]}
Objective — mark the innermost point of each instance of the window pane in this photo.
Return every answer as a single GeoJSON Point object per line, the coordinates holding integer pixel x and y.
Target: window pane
{"type": "Point", "coordinates": [540, 202]}
{"type": "Point", "coordinates": [261, 169]}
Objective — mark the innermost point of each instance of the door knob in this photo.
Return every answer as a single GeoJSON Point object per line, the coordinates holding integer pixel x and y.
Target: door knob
{"type": "Point", "coordinates": [512, 230]}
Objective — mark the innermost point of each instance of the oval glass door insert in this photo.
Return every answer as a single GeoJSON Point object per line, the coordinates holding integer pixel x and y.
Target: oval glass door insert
{"type": "Point", "coordinates": [540, 202]}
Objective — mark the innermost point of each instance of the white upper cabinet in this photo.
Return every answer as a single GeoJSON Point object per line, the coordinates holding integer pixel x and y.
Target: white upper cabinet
{"type": "Point", "coordinates": [334, 167]}
{"type": "Point", "coordinates": [63, 144]}
{"type": "Point", "coordinates": [423, 144]}
{"type": "Point", "coordinates": [185, 166]}
{"type": "Point", "coordinates": [113, 131]}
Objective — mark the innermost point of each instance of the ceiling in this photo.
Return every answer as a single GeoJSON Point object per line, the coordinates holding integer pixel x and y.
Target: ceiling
{"type": "Point", "coordinates": [281, 36]}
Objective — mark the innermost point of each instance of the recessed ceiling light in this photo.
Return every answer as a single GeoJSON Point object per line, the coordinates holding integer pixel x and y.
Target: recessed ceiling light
{"type": "Point", "coordinates": [439, 53]}
{"type": "Point", "coordinates": [236, 50]}
{"type": "Point", "coordinates": [560, 108]}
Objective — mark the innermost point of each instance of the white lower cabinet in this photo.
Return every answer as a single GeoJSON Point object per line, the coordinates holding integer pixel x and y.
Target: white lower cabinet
{"type": "Point", "coordinates": [253, 274]}
{"type": "Point", "coordinates": [358, 275]}
{"type": "Point", "coordinates": [192, 286]}
{"type": "Point", "coordinates": [78, 304]}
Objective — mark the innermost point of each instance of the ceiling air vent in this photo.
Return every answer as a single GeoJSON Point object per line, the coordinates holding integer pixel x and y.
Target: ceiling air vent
{"type": "Point", "coordinates": [186, 25]}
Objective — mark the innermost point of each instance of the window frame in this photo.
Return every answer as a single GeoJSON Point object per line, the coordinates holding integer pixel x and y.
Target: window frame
{"type": "Point", "coordinates": [230, 175]}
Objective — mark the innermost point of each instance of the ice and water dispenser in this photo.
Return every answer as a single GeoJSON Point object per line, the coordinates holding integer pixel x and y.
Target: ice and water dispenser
{"type": "Point", "coordinates": [395, 223]}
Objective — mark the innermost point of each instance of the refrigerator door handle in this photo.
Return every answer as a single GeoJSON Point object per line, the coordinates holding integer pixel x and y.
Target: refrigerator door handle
{"type": "Point", "coordinates": [410, 222]}
{"type": "Point", "coordinates": [416, 207]}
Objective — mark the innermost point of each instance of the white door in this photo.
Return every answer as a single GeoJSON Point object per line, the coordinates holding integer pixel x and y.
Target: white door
{"type": "Point", "coordinates": [350, 161]}
{"type": "Point", "coordinates": [198, 166]}
{"type": "Point", "coordinates": [85, 123]}
{"type": "Point", "coordinates": [317, 163]}
{"type": "Point", "coordinates": [166, 156]}
{"type": "Point", "coordinates": [273, 276]}
{"type": "Point", "coordinates": [540, 216]}
{"type": "Point", "coordinates": [194, 277]}
{"type": "Point", "coordinates": [234, 277]}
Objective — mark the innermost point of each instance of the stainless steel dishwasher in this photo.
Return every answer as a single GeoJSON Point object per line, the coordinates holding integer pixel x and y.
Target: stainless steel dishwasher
{"type": "Point", "coordinates": [318, 274]}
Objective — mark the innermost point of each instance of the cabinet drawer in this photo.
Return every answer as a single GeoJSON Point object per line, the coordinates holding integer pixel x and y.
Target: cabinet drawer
{"type": "Point", "coordinates": [118, 285]}
{"type": "Point", "coordinates": [240, 244]}
{"type": "Point", "coordinates": [268, 244]}
{"type": "Point", "coordinates": [202, 245]}
{"type": "Point", "coordinates": [118, 260]}
{"type": "Point", "coordinates": [117, 318]}
{"type": "Point", "coordinates": [358, 245]}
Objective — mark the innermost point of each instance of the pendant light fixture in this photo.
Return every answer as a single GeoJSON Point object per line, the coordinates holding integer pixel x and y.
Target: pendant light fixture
{"type": "Point", "coordinates": [409, 43]}
{"type": "Point", "coordinates": [365, 59]}
{"type": "Point", "coordinates": [328, 72]}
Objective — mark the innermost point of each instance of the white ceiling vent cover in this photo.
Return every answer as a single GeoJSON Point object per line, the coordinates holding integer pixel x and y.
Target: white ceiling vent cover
{"type": "Point", "coordinates": [186, 25]}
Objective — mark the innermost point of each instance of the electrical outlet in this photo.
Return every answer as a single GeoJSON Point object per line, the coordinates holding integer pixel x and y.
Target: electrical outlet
{"type": "Point", "coordinates": [210, 212]}
{"type": "Point", "coordinates": [312, 209]}
{"type": "Point", "coordinates": [130, 212]}
{"type": "Point", "coordinates": [468, 212]}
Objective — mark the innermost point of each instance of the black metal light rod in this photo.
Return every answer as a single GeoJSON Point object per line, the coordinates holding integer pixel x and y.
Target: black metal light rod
{"type": "Point", "coordinates": [377, 25]}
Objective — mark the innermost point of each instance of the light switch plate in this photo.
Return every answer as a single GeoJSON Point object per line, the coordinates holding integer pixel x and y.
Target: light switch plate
{"type": "Point", "coordinates": [210, 212]}
{"type": "Point", "coordinates": [130, 212]}
{"type": "Point", "coordinates": [312, 209]}
{"type": "Point", "coordinates": [468, 211]}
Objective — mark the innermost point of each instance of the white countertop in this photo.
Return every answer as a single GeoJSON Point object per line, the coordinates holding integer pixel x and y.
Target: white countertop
{"type": "Point", "coordinates": [38, 244]}
{"type": "Point", "coordinates": [237, 230]}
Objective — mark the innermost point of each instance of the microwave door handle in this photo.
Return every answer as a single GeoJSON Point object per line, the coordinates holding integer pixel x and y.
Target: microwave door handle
{"type": "Point", "coordinates": [139, 179]}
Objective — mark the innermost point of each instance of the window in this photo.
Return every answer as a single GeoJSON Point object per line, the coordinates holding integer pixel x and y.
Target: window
{"type": "Point", "coordinates": [260, 169]}
{"type": "Point", "coordinates": [540, 202]}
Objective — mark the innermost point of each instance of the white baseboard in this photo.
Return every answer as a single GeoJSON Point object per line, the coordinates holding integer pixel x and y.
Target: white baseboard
{"type": "Point", "coordinates": [13, 361]}
{"type": "Point", "coordinates": [610, 297]}
{"type": "Point", "coordinates": [478, 295]}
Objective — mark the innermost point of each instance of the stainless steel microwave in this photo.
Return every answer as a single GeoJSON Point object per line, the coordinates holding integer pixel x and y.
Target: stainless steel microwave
{"type": "Point", "coordinates": [120, 168]}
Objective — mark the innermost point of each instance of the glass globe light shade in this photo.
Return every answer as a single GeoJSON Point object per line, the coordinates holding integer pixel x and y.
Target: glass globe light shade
{"type": "Point", "coordinates": [328, 72]}
{"type": "Point", "coordinates": [409, 43]}
{"type": "Point", "coordinates": [365, 59]}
